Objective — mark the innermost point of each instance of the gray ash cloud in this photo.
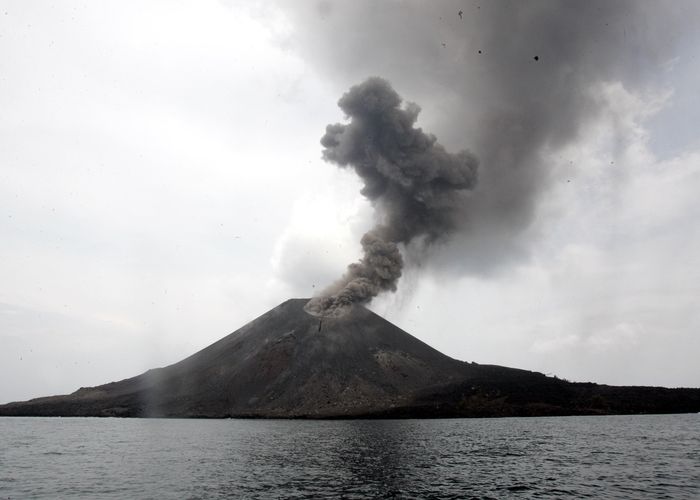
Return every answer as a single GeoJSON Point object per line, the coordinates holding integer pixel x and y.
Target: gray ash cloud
{"type": "Point", "coordinates": [483, 89]}
{"type": "Point", "coordinates": [417, 188]}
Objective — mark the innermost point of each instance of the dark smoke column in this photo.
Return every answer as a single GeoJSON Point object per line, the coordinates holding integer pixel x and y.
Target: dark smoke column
{"type": "Point", "coordinates": [416, 187]}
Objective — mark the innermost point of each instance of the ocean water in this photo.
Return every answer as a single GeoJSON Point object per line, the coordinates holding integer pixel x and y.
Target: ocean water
{"type": "Point", "coordinates": [655, 456]}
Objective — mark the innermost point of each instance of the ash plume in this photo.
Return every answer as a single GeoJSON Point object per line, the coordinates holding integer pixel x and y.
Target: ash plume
{"type": "Point", "coordinates": [416, 187]}
{"type": "Point", "coordinates": [520, 82]}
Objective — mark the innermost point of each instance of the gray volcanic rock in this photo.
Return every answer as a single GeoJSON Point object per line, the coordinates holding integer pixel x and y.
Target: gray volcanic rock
{"type": "Point", "coordinates": [290, 364]}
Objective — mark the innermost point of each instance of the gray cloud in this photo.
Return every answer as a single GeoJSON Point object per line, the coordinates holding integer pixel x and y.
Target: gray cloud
{"type": "Point", "coordinates": [415, 185]}
{"type": "Point", "coordinates": [509, 80]}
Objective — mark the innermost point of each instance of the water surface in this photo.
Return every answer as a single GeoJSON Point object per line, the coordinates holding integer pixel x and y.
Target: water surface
{"type": "Point", "coordinates": [655, 456]}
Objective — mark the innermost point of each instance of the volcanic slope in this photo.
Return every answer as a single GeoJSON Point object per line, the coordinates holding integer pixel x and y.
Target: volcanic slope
{"type": "Point", "coordinates": [285, 363]}
{"type": "Point", "coordinates": [288, 363]}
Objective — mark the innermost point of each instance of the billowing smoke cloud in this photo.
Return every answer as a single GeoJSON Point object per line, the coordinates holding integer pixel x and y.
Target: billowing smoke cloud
{"type": "Point", "coordinates": [513, 81]}
{"type": "Point", "coordinates": [417, 188]}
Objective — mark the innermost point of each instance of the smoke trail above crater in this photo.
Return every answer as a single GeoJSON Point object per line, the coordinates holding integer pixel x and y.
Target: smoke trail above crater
{"type": "Point", "coordinates": [522, 81]}
{"type": "Point", "coordinates": [416, 187]}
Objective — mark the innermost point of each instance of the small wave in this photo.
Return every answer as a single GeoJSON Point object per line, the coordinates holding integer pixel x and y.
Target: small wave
{"type": "Point", "coordinates": [519, 487]}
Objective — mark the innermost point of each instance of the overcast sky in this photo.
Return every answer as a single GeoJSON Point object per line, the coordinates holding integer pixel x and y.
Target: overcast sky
{"type": "Point", "coordinates": [161, 180]}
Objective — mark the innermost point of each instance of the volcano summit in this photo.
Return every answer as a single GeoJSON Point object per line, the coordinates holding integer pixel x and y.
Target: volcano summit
{"type": "Point", "coordinates": [288, 363]}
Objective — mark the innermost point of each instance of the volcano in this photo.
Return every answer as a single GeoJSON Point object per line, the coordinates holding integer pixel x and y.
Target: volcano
{"type": "Point", "coordinates": [288, 363]}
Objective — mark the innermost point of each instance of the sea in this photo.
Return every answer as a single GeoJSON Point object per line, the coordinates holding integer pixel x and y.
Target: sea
{"type": "Point", "coordinates": [644, 456]}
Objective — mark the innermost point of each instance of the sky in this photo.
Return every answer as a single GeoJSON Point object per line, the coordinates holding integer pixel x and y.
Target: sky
{"type": "Point", "coordinates": [162, 180]}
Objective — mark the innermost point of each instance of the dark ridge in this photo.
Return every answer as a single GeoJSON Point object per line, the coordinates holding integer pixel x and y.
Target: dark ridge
{"type": "Point", "coordinates": [290, 364]}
